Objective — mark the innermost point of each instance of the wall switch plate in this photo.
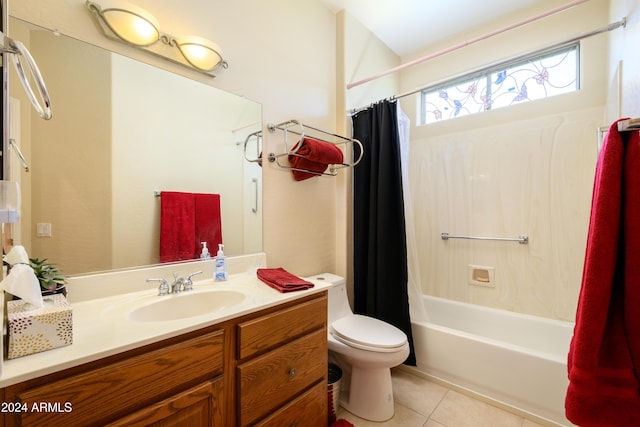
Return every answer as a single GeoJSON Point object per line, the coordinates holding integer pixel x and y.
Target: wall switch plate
{"type": "Point", "coordinates": [43, 229]}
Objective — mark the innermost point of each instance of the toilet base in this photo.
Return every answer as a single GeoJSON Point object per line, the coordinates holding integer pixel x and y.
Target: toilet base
{"type": "Point", "coordinates": [370, 394]}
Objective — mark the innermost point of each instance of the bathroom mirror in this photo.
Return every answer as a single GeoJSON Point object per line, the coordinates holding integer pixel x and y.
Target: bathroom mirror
{"type": "Point", "coordinates": [121, 132]}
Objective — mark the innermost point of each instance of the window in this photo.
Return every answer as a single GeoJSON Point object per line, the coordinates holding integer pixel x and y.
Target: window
{"type": "Point", "coordinates": [537, 77]}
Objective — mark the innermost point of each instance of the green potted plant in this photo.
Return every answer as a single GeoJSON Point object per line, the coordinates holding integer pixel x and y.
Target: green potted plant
{"type": "Point", "coordinates": [51, 279]}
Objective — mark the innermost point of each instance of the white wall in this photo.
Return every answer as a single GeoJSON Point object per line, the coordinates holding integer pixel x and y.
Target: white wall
{"type": "Point", "coordinates": [281, 54]}
{"type": "Point", "coordinates": [624, 63]}
{"type": "Point", "coordinates": [523, 170]}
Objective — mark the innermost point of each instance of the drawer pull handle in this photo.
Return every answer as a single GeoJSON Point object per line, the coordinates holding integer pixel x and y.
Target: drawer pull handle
{"type": "Point", "coordinates": [292, 372]}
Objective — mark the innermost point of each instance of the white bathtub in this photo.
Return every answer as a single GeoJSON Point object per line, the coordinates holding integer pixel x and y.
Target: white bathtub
{"type": "Point", "coordinates": [516, 359]}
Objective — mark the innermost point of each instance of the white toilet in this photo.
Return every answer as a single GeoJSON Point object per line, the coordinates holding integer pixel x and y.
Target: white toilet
{"type": "Point", "coordinates": [365, 349]}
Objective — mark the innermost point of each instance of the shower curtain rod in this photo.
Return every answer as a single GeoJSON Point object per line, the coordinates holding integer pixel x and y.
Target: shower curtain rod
{"type": "Point", "coordinates": [621, 23]}
{"type": "Point", "coordinates": [466, 43]}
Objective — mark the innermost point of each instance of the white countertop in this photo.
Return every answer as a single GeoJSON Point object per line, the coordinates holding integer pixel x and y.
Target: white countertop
{"type": "Point", "coordinates": [102, 327]}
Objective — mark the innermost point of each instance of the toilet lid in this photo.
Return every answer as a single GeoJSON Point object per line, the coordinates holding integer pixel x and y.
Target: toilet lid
{"type": "Point", "coordinates": [368, 333]}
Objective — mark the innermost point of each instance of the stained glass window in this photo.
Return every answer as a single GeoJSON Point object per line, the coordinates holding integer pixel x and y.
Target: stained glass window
{"type": "Point", "coordinates": [553, 73]}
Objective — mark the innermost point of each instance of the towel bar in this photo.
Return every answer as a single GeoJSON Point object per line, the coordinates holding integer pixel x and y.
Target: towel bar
{"type": "Point", "coordinates": [300, 129]}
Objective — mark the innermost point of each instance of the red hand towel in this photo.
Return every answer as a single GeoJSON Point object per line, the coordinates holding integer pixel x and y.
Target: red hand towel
{"type": "Point", "coordinates": [314, 155]}
{"type": "Point", "coordinates": [177, 218]}
{"type": "Point", "coordinates": [282, 280]}
{"type": "Point", "coordinates": [208, 223]}
{"type": "Point", "coordinates": [604, 358]}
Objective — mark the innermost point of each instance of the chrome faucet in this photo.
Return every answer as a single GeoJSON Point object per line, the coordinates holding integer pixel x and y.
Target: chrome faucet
{"type": "Point", "coordinates": [179, 284]}
{"type": "Point", "coordinates": [164, 288]}
{"type": "Point", "coordinates": [188, 283]}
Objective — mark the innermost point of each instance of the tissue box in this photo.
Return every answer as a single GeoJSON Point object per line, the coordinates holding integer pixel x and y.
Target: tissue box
{"type": "Point", "coordinates": [32, 330]}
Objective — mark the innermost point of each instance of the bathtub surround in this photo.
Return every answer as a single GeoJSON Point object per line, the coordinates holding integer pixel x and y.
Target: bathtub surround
{"type": "Point", "coordinates": [604, 359]}
{"type": "Point", "coordinates": [380, 249]}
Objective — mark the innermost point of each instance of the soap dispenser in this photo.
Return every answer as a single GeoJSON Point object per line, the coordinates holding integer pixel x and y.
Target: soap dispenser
{"type": "Point", "coordinates": [221, 264]}
{"type": "Point", "coordinates": [205, 251]}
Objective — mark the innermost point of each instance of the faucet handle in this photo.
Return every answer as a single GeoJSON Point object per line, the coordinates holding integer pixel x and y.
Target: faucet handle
{"type": "Point", "coordinates": [188, 283]}
{"type": "Point", "coordinates": [163, 289]}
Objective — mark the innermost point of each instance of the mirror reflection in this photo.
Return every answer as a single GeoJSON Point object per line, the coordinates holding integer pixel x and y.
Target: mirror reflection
{"type": "Point", "coordinates": [122, 132]}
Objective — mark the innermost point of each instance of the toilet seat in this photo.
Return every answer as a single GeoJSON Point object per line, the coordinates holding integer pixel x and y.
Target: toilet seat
{"type": "Point", "coordinates": [367, 333]}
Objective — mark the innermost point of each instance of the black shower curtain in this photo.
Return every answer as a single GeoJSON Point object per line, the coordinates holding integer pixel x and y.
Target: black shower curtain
{"type": "Point", "coordinates": [380, 250]}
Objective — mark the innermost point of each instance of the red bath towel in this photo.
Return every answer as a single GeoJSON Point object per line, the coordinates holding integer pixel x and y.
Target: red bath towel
{"type": "Point", "coordinates": [208, 223]}
{"type": "Point", "coordinates": [281, 280]}
{"type": "Point", "coordinates": [177, 218]}
{"type": "Point", "coordinates": [604, 357]}
{"type": "Point", "coordinates": [314, 155]}
{"type": "Point", "coordinates": [186, 219]}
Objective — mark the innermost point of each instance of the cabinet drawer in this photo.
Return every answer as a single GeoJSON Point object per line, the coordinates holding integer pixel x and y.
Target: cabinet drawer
{"type": "Point", "coordinates": [269, 381]}
{"type": "Point", "coordinates": [112, 391]}
{"type": "Point", "coordinates": [308, 410]}
{"type": "Point", "coordinates": [267, 332]}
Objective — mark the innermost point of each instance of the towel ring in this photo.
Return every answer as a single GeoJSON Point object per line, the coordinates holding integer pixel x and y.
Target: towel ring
{"type": "Point", "coordinates": [257, 135]}
{"type": "Point", "coordinates": [19, 51]}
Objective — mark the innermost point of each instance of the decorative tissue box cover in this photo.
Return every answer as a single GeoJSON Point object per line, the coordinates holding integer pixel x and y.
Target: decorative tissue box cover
{"type": "Point", "coordinates": [32, 330]}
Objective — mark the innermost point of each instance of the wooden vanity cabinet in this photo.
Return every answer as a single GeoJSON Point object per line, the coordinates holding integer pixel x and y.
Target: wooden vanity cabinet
{"type": "Point", "coordinates": [265, 368]}
{"type": "Point", "coordinates": [281, 374]}
{"type": "Point", "coordinates": [166, 383]}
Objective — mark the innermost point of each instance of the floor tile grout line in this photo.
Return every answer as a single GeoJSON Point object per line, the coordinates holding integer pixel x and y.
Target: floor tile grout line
{"type": "Point", "coordinates": [435, 408]}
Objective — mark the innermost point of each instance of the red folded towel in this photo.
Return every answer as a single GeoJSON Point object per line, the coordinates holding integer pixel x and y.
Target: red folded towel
{"type": "Point", "coordinates": [314, 155]}
{"type": "Point", "coordinates": [604, 357]}
{"type": "Point", "coordinates": [282, 280]}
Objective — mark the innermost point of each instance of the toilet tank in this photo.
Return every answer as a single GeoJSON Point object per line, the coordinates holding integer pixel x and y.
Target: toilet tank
{"type": "Point", "coordinates": [338, 300]}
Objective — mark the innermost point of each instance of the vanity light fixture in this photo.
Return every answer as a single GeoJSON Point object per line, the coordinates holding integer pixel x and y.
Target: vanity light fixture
{"type": "Point", "coordinates": [134, 26]}
{"type": "Point", "coordinates": [128, 22]}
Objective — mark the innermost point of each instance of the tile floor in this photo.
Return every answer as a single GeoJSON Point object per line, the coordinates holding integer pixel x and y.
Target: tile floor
{"type": "Point", "coordinates": [422, 403]}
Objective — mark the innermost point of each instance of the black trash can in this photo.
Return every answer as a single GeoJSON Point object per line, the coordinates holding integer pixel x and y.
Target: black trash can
{"type": "Point", "coordinates": [333, 390]}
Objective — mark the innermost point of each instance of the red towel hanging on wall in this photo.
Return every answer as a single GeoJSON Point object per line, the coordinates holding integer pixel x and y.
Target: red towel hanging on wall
{"type": "Point", "coordinates": [177, 220]}
{"type": "Point", "coordinates": [208, 224]}
{"type": "Point", "coordinates": [604, 357]}
{"type": "Point", "coordinates": [186, 219]}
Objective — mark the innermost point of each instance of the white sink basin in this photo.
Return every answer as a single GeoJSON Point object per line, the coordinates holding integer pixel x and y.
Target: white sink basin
{"type": "Point", "coordinates": [184, 305]}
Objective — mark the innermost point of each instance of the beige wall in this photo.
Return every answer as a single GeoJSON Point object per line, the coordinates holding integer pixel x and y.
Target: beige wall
{"type": "Point", "coordinates": [360, 54]}
{"type": "Point", "coordinates": [528, 170]}
{"type": "Point", "coordinates": [282, 55]}
{"type": "Point", "coordinates": [67, 150]}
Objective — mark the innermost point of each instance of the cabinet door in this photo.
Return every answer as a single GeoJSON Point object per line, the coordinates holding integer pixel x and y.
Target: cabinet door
{"type": "Point", "coordinates": [271, 380]}
{"type": "Point", "coordinates": [198, 406]}
{"type": "Point", "coordinates": [308, 410]}
{"type": "Point", "coordinates": [105, 394]}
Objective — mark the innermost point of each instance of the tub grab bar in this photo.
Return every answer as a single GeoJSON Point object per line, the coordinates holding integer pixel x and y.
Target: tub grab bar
{"type": "Point", "coordinates": [523, 240]}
